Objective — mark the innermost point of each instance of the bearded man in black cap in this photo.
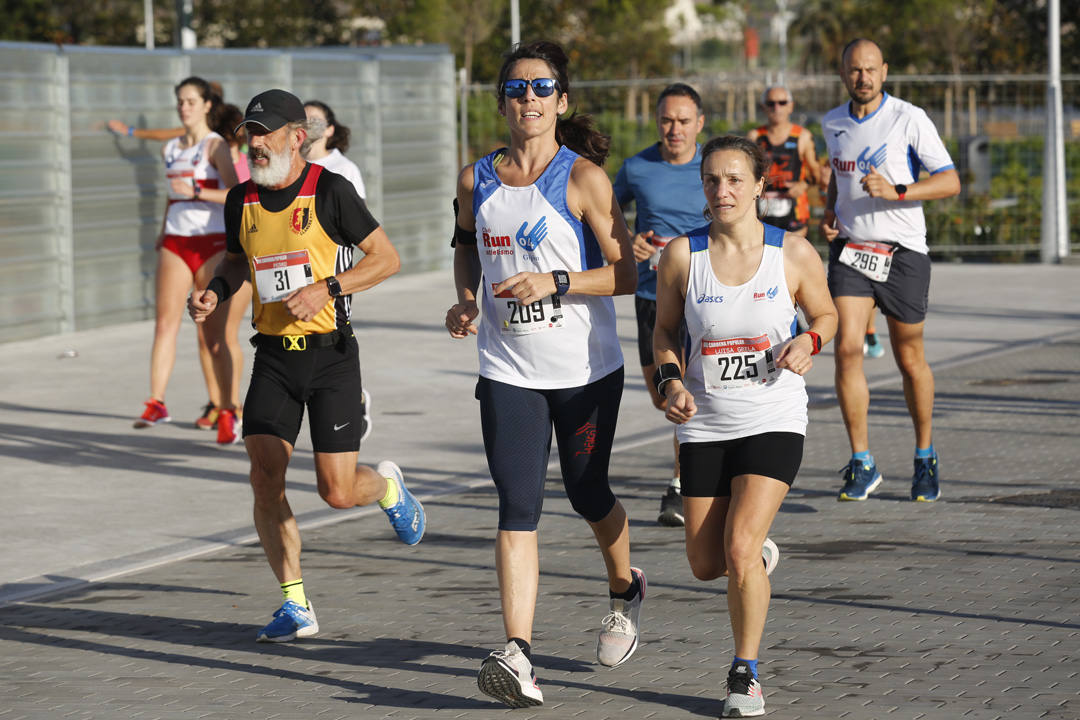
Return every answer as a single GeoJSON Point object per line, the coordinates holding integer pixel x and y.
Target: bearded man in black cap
{"type": "Point", "coordinates": [292, 230]}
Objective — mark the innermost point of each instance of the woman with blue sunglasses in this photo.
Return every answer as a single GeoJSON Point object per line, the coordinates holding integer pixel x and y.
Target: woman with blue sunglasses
{"type": "Point", "coordinates": [541, 246]}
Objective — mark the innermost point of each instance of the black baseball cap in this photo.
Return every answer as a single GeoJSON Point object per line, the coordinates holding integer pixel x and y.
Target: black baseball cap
{"type": "Point", "coordinates": [274, 108]}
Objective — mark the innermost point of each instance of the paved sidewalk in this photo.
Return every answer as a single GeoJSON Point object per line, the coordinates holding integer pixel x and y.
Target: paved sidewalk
{"type": "Point", "coordinates": [884, 609]}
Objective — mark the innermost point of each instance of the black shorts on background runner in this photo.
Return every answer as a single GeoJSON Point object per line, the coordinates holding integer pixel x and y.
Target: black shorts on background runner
{"type": "Point", "coordinates": [905, 295]}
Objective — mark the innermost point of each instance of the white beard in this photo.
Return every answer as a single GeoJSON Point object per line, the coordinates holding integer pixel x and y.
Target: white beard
{"type": "Point", "coordinates": [276, 170]}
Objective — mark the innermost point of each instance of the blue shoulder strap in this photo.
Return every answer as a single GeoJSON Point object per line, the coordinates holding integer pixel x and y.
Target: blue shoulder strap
{"type": "Point", "coordinates": [774, 236]}
{"type": "Point", "coordinates": [699, 239]}
{"type": "Point", "coordinates": [485, 179]}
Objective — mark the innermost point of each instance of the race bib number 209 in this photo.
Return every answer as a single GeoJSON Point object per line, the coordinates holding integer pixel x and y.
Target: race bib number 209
{"type": "Point", "coordinates": [518, 319]}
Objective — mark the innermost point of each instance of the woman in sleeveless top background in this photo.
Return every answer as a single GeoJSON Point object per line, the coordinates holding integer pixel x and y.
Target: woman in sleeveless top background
{"type": "Point", "coordinates": [740, 402]}
{"type": "Point", "coordinates": [200, 171]}
{"type": "Point", "coordinates": [539, 227]}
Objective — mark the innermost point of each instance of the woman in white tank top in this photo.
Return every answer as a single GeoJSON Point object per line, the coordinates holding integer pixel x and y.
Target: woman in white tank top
{"type": "Point", "coordinates": [740, 402]}
{"type": "Point", "coordinates": [200, 172]}
{"type": "Point", "coordinates": [541, 246]}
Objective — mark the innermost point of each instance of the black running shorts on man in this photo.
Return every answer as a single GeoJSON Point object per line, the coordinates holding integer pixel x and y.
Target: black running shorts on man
{"type": "Point", "coordinates": [905, 294]}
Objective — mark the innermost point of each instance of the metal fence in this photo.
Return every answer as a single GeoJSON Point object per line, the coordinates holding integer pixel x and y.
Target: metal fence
{"type": "Point", "coordinates": [80, 209]}
{"type": "Point", "coordinates": [994, 127]}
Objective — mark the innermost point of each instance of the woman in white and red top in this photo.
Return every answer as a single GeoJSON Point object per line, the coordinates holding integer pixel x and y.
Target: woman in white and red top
{"type": "Point", "coordinates": [200, 172]}
{"type": "Point", "coordinates": [740, 402]}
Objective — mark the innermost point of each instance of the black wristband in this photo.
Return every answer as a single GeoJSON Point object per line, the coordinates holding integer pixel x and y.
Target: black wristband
{"type": "Point", "coordinates": [665, 374]}
{"type": "Point", "coordinates": [220, 288]}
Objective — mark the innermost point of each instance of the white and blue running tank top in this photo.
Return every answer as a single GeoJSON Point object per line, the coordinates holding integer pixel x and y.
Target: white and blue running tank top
{"type": "Point", "coordinates": [559, 342]}
{"type": "Point", "coordinates": [734, 335]}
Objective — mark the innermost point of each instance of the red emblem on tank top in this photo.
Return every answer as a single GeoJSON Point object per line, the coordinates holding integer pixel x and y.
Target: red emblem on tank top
{"type": "Point", "coordinates": [301, 220]}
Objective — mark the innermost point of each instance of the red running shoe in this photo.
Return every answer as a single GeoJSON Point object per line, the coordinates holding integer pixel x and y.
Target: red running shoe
{"type": "Point", "coordinates": [154, 413]}
{"type": "Point", "coordinates": [228, 427]}
{"type": "Point", "coordinates": [208, 419]}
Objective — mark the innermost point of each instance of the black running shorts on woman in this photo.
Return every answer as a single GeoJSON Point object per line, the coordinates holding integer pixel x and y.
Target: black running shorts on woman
{"type": "Point", "coordinates": [327, 380]}
{"type": "Point", "coordinates": [905, 295]}
{"type": "Point", "coordinates": [517, 425]}
{"type": "Point", "coordinates": [708, 467]}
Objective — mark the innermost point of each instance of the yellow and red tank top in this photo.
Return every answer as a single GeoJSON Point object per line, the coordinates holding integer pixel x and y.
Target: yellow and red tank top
{"type": "Point", "coordinates": [787, 167]}
{"type": "Point", "coordinates": [287, 250]}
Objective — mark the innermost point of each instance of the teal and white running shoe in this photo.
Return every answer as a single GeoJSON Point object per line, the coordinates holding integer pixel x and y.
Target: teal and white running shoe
{"type": "Point", "coordinates": [291, 621]}
{"type": "Point", "coordinates": [407, 516]}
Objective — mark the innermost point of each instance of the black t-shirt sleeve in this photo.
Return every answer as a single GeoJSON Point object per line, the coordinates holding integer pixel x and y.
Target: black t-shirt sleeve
{"type": "Point", "coordinates": [234, 215]}
{"type": "Point", "coordinates": [341, 211]}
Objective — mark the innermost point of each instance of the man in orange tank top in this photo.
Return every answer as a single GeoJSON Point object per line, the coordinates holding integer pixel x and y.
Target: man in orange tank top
{"type": "Point", "coordinates": [794, 163]}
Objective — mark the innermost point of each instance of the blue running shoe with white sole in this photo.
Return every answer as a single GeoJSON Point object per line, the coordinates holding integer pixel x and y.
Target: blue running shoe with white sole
{"type": "Point", "coordinates": [407, 516]}
{"type": "Point", "coordinates": [872, 347]}
{"type": "Point", "coordinates": [291, 621]}
{"type": "Point", "coordinates": [861, 477]}
{"type": "Point", "coordinates": [925, 485]}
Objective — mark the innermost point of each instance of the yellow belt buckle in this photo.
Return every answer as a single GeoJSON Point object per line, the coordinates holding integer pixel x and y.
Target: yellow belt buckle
{"type": "Point", "coordinates": [294, 342]}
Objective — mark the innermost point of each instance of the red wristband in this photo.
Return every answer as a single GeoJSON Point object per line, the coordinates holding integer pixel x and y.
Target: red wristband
{"type": "Point", "coordinates": [816, 339]}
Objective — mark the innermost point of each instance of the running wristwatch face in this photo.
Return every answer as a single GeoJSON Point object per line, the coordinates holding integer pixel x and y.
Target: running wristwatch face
{"type": "Point", "coordinates": [333, 286]}
{"type": "Point", "coordinates": [562, 281]}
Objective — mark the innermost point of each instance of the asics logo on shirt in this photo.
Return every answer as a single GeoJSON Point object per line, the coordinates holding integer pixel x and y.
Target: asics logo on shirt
{"type": "Point", "coordinates": [703, 298]}
{"type": "Point", "coordinates": [877, 159]}
{"type": "Point", "coordinates": [531, 240]}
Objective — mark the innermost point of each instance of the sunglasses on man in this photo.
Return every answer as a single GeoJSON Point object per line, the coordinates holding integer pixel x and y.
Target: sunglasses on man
{"type": "Point", "coordinates": [775, 103]}
{"type": "Point", "coordinates": [542, 87]}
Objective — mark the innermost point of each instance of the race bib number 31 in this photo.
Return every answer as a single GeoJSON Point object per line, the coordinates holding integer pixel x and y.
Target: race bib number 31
{"type": "Point", "coordinates": [278, 275]}
{"type": "Point", "coordinates": [518, 319]}
{"type": "Point", "coordinates": [736, 362]}
{"type": "Point", "coordinates": [872, 259]}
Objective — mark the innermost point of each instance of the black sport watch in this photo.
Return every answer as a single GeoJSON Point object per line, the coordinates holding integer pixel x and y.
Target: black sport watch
{"type": "Point", "coordinates": [901, 190]}
{"type": "Point", "coordinates": [562, 281]}
{"type": "Point", "coordinates": [333, 286]}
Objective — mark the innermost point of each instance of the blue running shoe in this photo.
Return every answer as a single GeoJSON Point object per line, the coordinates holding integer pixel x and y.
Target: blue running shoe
{"type": "Point", "coordinates": [291, 621]}
{"type": "Point", "coordinates": [860, 479]}
{"type": "Point", "coordinates": [872, 347]}
{"type": "Point", "coordinates": [407, 516]}
{"type": "Point", "coordinates": [924, 485]}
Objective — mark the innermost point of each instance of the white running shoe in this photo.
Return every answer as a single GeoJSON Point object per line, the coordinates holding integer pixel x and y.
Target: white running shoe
{"type": "Point", "coordinates": [744, 695]}
{"type": "Point", "coordinates": [770, 554]}
{"type": "Point", "coordinates": [507, 675]}
{"type": "Point", "coordinates": [619, 630]}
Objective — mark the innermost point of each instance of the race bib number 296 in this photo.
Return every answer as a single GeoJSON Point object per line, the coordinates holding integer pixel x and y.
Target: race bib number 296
{"type": "Point", "coordinates": [872, 259]}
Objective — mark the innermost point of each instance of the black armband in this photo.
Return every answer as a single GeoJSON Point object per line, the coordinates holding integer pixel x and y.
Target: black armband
{"type": "Point", "coordinates": [220, 287]}
{"type": "Point", "coordinates": [665, 374]}
{"type": "Point", "coordinates": [461, 235]}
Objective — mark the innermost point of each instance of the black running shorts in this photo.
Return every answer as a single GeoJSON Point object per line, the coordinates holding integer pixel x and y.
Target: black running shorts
{"type": "Point", "coordinates": [708, 467]}
{"type": "Point", "coordinates": [905, 295]}
{"type": "Point", "coordinates": [326, 380]}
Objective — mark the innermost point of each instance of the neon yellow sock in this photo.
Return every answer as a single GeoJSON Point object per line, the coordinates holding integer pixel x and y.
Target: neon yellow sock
{"type": "Point", "coordinates": [390, 499]}
{"type": "Point", "coordinates": [294, 590]}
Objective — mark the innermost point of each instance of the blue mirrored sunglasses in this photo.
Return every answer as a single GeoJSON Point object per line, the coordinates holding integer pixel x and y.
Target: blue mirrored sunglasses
{"type": "Point", "coordinates": [542, 87]}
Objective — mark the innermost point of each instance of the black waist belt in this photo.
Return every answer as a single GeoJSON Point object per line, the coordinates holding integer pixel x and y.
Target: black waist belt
{"type": "Point", "coordinates": [300, 342]}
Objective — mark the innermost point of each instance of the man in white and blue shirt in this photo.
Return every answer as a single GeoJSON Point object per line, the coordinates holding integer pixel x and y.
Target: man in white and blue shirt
{"type": "Point", "coordinates": [879, 147]}
{"type": "Point", "coordinates": [664, 183]}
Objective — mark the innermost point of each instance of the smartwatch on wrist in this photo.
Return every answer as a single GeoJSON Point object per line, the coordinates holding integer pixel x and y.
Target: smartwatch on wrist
{"type": "Point", "coordinates": [901, 191]}
{"type": "Point", "coordinates": [562, 281]}
{"type": "Point", "coordinates": [665, 374]}
{"type": "Point", "coordinates": [816, 340]}
{"type": "Point", "coordinates": [333, 286]}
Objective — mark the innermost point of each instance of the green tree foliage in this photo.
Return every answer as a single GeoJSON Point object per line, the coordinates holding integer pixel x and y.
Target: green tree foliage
{"type": "Point", "coordinates": [937, 36]}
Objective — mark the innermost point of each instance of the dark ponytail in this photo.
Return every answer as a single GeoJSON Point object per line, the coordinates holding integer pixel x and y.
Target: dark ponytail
{"type": "Point", "coordinates": [340, 139]}
{"type": "Point", "coordinates": [576, 132]}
